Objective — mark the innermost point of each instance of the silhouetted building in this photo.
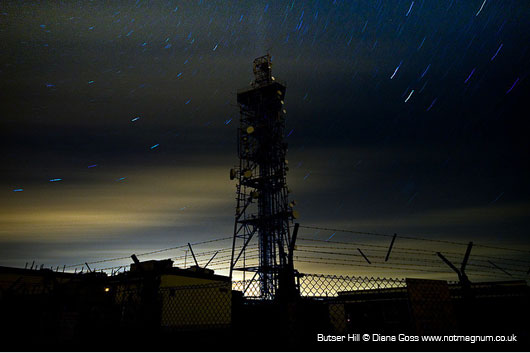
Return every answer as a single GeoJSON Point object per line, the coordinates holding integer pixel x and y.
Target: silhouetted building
{"type": "Point", "coordinates": [434, 307]}
{"type": "Point", "coordinates": [154, 293]}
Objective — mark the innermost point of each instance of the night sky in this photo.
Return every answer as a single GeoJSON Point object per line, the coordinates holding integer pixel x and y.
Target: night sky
{"type": "Point", "coordinates": [118, 121]}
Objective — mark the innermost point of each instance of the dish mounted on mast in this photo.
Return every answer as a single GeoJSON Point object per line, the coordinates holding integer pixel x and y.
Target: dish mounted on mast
{"type": "Point", "coordinates": [263, 210]}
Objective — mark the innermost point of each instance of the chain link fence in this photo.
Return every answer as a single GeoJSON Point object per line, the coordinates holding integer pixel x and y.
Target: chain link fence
{"type": "Point", "coordinates": [325, 286]}
{"type": "Point", "coordinates": [314, 285]}
{"type": "Point", "coordinates": [205, 306]}
{"type": "Point", "coordinates": [350, 304]}
{"type": "Point", "coordinates": [211, 306]}
{"type": "Point", "coordinates": [344, 302]}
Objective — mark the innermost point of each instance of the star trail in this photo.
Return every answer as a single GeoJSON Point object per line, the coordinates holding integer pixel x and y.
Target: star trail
{"type": "Point", "coordinates": [118, 116]}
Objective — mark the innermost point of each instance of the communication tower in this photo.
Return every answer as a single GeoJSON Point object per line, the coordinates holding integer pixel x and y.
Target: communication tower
{"type": "Point", "coordinates": [263, 209]}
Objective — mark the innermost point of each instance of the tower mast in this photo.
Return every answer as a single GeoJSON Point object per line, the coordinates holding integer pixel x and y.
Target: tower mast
{"type": "Point", "coordinates": [262, 206]}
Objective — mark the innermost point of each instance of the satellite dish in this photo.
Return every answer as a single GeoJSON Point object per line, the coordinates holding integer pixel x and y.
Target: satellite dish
{"type": "Point", "coordinates": [250, 129]}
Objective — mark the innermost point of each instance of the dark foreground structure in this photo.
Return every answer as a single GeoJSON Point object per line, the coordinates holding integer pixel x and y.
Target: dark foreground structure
{"type": "Point", "coordinates": [159, 307]}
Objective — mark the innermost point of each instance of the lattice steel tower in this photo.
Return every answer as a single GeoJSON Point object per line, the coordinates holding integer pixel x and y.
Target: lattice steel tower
{"type": "Point", "coordinates": [263, 207]}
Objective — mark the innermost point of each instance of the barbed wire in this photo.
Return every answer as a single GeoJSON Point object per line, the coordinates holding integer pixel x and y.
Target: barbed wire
{"type": "Point", "coordinates": [148, 253]}
{"type": "Point", "coordinates": [520, 268]}
{"type": "Point", "coordinates": [412, 268]}
{"type": "Point", "coordinates": [432, 264]}
{"type": "Point", "coordinates": [413, 238]}
{"type": "Point", "coordinates": [413, 251]}
{"type": "Point", "coordinates": [411, 261]}
{"type": "Point", "coordinates": [251, 251]}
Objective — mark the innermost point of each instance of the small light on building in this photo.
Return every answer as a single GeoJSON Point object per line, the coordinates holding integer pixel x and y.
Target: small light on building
{"type": "Point", "coordinates": [107, 289]}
